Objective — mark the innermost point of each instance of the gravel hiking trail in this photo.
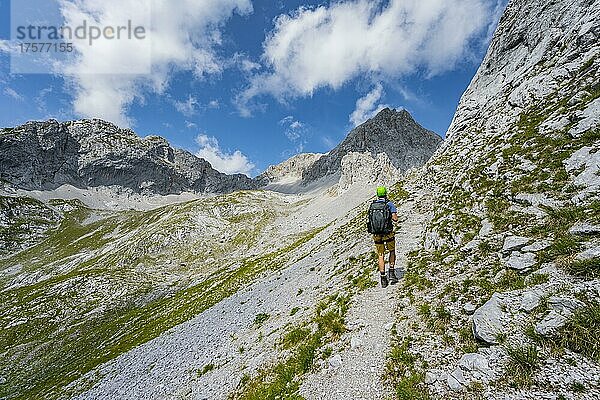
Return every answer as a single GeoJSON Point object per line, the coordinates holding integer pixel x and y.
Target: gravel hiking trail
{"type": "Point", "coordinates": [356, 371]}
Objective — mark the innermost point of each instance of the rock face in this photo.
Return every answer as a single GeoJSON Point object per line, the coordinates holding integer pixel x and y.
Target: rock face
{"type": "Point", "coordinates": [394, 133]}
{"type": "Point", "coordinates": [91, 153]}
{"type": "Point", "coordinates": [513, 192]}
{"type": "Point", "coordinates": [363, 168]}
{"type": "Point", "coordinates": [291, 169]}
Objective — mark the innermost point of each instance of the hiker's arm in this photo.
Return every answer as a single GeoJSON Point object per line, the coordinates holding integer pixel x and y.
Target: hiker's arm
{"type": "Point", "coordinates": [395, 217]}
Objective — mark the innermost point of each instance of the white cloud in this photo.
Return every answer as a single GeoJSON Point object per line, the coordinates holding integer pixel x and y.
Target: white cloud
{"type": "Point", "coordinates": [12, 93]}
{"type": "Point", "coordinates": [329, 45]}
{"type": "Point", "coordinates": [187, 107]}
{"type": "Point", "coordinates": [249, 66]}
{"type": "Point", "coordinates": [243, 62]}
{"type": "Point", "coordinates": [181, 37]}
{"type": "Point", "coordinates": [40, 99]}
{"type": "Point", "coordinates": [295, 131]}
{"type": "Point", "coordinates": [190, 125]}
{"type": "Point", "coordinates": [367, 107]}
{"type": "Point", "coordinates": [228, 163]}
{"type": "Point", "coordinates": [214, 104]}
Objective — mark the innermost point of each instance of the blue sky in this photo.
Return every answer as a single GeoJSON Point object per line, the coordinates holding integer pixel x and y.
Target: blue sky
{"type": "Point", "coordinates": [248, 83]}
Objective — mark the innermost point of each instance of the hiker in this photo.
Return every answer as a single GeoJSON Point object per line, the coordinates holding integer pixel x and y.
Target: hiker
{"type": "Point", "coordinates": [381, 214]}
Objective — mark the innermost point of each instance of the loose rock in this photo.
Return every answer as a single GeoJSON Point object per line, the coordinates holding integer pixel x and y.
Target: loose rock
{"type": "Point", "coordinates": [564, 305]}
{"type": "Point", "coordinates": [513, 243]}
{"type": "Point", "coordinates": [355, 343]}
{"type": "Point", "coordinates": [487, 320]}
{"type": "Point", "coordinates": [531, 300]}
{"type": "Point", "coordinates": [537, 246]}
{"type": "Point", "coordinates": [550, 324]}
{"type": "Point", "coordinates": [584, 229]}
{"type": "Point", "coordinates": [456, 380]}
{"type": "Point", "coordinates": [521, 261]}
{"type": "Point", "coordinates": [335, 361]}
{"type": "Point", "coordinates": [469, 308]}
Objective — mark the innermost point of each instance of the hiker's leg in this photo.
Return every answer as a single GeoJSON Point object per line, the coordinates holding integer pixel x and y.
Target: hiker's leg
{"type": "Point", "coordinates": [380, 249]}
{"type": "Point", "coordinates": [392, 259]}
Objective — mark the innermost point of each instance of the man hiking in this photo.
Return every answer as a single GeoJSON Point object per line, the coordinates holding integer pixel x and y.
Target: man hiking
{"type": "Point", "coordinates": [381, 214]}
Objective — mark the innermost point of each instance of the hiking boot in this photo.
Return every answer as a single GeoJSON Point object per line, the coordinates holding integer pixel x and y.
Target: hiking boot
{"type": "Point", "coordinates": [392, 277]}
{"type": "Point", "coordinates": [384, 281]}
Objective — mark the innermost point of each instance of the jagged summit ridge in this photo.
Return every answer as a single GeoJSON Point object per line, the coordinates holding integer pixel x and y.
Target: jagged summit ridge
{"type": "Point", "coordinates": [395, 133]}
{"type": "Point", "coordinates": [91, 153]}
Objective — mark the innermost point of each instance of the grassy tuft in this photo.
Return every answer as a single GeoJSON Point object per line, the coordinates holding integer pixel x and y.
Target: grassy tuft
{"type": "Point", "coordinates": [282, 380]}
{"type": "Point", "coordinates": [589, 269]}
{"type": "Point", "coordinates": [468, 343]}
{"type": "Point", "coordinates": [523, 363]}
{"type": "Point", "coordinates": [404, 375]}
{"type": "Point", "coordinates": [580, 333]}
{"type": "Point", "coordinates": [537, 279]}
{"type": "Point", "coordinates": [206, 369]}
{"type": "Point", "coordinates": [261, 318]}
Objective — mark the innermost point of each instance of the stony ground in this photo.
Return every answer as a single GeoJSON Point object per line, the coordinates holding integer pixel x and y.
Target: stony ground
{"type": "Point", "coordinates": [355, 372]}
{"type": "Point", "coordinates": [208, 356]}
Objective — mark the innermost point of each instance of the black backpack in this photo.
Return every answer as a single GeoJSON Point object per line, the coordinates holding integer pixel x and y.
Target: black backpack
{"type": "Point", "coordinates": [380, 218]}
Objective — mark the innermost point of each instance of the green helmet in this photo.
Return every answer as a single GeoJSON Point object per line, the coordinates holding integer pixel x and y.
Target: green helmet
{"type": "Point", "coordinates": [381, 191]}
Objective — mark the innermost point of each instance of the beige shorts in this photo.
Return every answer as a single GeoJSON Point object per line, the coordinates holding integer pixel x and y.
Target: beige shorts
{"type": "Point", "coordinates": [384, 243]}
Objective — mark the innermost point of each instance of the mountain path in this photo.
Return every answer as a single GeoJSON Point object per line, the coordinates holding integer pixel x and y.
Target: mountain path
{"type": "Point", "coordinates": [356, 371]}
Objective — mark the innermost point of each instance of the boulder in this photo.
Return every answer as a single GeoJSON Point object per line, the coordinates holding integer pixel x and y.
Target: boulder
{"type": "Point", "coordinates": [473, 244]}
{"type": "Point", "coordinates": [550, 324]}
{"type": "Point", "coordinates": [476, 366]}
{"type": "Point", "coordinates": [514, 243]}
{"type": "Point", "coordinates": [469, 308]}
{"type": "Point", "coordinates": [589, 253]}
{"type": "Point", "coordinates": [456, 380]}
{"type": "Point", "coordinates": [588, 159]}
{"type": "Point", "coordinates": [589, 119]}
{"type": "Point", "coordinates": [434, 375]}
{"type": "Point", "coordinates": [561, 309]}
{"type": "Point", "coordinates": [486, 228]}
{"type": "Point", "coordinates": [537, 246]}
{"type": "Point", "coordinates": [584, 229]}
{"type": "Point", "coordinates": [487, 320]}
{"type": "Point", "coordinates": [564, 305]}
{"type": "Point", "coordinates": [521, 262]}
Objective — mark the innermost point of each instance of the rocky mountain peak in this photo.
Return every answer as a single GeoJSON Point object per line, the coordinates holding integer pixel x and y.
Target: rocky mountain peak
{"type": "Point", "coordinates": [395, 133]}
{"type": "Point", "coordinates": [387, 115]}
{"type": "Point", "coordinates": [92, 152]}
